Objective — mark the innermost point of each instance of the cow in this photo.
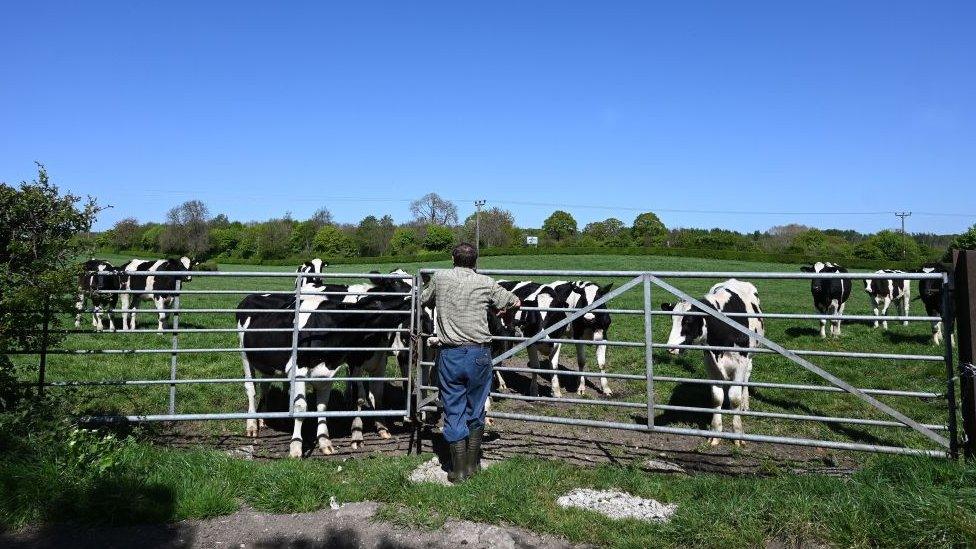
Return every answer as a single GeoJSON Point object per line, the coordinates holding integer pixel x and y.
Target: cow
{"type": "Point", "coordinates": [149, 287]}
{"type": "Point", "coordinates": [829, 294]}
{"type": "Point", "coordinates": [98, 276]}
{"type": "Point", "coordinates": [592, 326]}
{"type": "Point", "coordinates": [930, 290]}
{"type": "Point", "coordinates": [884, 291]}
{"type": "Point", "coordinates": [530, 323]}
{"type": "Point", "coordinates": [319, 316]}
{"type": "Point", "coordinates": [731, 296]}
{"type": "Point", "coordinates": [312, 266]}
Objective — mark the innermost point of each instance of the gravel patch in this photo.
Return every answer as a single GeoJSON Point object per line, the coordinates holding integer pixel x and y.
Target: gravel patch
{"type": "Point", "coordinates": [618, 505]}
{"type": "Point", "coordinates": [432, 471]}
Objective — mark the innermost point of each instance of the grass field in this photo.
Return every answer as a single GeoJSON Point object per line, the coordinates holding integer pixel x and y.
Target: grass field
{"type": "Point", "coordinates": [777, 296]}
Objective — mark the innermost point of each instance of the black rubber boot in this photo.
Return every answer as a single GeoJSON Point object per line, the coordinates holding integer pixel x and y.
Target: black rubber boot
{"type": "Point", "coordinates": [474, 451]}
{"type": "Point", "coordinates": [459, 460]}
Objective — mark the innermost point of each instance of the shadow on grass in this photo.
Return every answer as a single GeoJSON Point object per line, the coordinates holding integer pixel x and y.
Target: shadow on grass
{"type": "Point", "coordinates": [854, 435]}
{"type": "Point", "coordinates": [687, 394]}
{"type": "Point", "coordinates": [917, 339]}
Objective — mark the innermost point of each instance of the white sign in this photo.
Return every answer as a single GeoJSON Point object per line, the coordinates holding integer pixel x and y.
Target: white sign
{"type": "Point", "coordinates": [532, 240]}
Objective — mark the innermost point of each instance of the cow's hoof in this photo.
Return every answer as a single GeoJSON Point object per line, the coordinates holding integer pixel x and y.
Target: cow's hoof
{"type": "Point", "coordinates": [325, 445]}
{"type": "Point", "coordinates": [715, 441]}
{"type": "Point", "coordinates": [383, 433]}
{"type": "Point", "coordinates": [581, 391]}
{"type": "Point", "coordinates": [738, 443]}
{"type": "Point", "coordinates": [489, 421]}
{"type": "Point", "coordinates": [251, 429]}
{"type": "Point", "coordinates": [295, 450]}
{"type": "Point", "coordinates": [357, 444]}
{"type": "Point", "coordinates": [607, 392]}
{"type": "Point", "coordinates": [557, 393]}
{"type": "Point", "coordinates": [262, 424]}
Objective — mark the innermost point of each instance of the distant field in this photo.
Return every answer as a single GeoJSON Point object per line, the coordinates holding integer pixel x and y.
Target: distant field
{"type": "Point", "coordinates": [777, 296]}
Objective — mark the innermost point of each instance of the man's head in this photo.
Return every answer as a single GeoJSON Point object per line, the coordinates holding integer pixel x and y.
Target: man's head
{"type": "Point", "coordinates": [465, 255]}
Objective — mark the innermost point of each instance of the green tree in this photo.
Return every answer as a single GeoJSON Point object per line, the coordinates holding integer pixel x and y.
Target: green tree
{"type": "Point", "coordinates": [560, 226]}
{"type": "Point", "coordinates": [497, 228]}
{"type": "Point", "coordinates": [965, 241]}
{"type": "Point", "coordinates": [816, 243]}
{"type": "Point", "coordinates": [187, 230]}
{"type": "Point", "coordinates": [274, 239]}
{"type": "Point", "coordinates": [405, 241]}
{"type": "Point", "coordinates": [224, 240]}
{"type": "Point", "coordinates": [373, 235]}
{"type": "Point", "coordinates": [126, 234]}
{"type": "Point", "coordinates": [330, 241]}
{"type": "Point", "coordinates": [606, 232]}
{"type": "Point", "coordinates": [896, 246]}
{"type": "Point", "coordinates": [438, 238]}
{"type": "Point", "coordinates": [303, 237]}
{"type": "Point", "coordinates": [38, 260]}
{"type": "Point", "coordinates": [150, 237]}
{"type": "Point", "coordinates": [648, 230]}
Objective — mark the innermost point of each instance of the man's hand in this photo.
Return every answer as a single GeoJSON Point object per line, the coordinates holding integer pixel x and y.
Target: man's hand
{"type": "Point", "coordinates": [516, 305]}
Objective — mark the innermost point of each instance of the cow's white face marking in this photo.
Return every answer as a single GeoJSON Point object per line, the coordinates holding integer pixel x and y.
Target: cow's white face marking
{"type": "Point", "coordinates": [677, 337]}
{"type": "Point", "coordinates": [590, 291]}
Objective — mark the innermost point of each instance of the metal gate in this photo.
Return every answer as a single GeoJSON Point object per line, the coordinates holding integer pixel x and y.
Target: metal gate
{"type": "Point", "coordinates": [941, 438]}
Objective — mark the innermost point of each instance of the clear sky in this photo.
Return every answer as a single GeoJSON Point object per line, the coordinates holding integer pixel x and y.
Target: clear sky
{"type": "Point", "coordinates": [259, 108]}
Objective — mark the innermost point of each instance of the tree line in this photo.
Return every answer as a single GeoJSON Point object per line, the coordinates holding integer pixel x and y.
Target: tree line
{"type": "Point", "coordinates": [190, 229]}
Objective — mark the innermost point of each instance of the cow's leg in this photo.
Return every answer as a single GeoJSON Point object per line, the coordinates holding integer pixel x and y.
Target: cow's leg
{"type": "Point", "coordinates": [823, 322]}
{"type": "Point", "coordinates": [323, 390]}
{"type": "Point", "coordinates": [877, 311]}
{"type": "Point", "coordinates": [937, 332]}
{"type": "Point", "coordinates": [739, 398]}
{"type": "Point", "coordinates": [718, 397]}
{"type": "Point", "coordinates": [840, 312]}
{"type": "Point", "coordinates": [554, 361]}
{"type": "Point", "coordinates": [884, 311]}
{"type": "Point", "coordinates": [376, 367]}
{"type": "Point", "coordinates": [250, 425]}
{"type": "Point", "coordinates": [905, 305]}
{"type": "Point", "coordinates": [128, 318]}
{"type": "Point", "coordinates": [534, 365]}
{"type": "Point", "coordinates": [300, 405]}
{"type": "Point", "coordinates": [601, 362]}
{"type": "Point", "coordinates": [581, 363]}
{"type": "Point", "coordinates": [161, 309]}
{"type": "Point", "coordinates": [79, 307]}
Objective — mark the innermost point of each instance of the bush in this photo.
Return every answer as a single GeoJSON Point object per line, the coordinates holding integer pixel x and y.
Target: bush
{"type": "Point", "coordinates": [330, 241]}
{"type": "Point", "coordinates": [438, 238]}
{"type": "Point", "coordinates": [965, 241]}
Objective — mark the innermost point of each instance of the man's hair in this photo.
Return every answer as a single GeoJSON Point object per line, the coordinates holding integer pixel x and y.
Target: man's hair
{"type": "Point", "coordinates": [465, 255]}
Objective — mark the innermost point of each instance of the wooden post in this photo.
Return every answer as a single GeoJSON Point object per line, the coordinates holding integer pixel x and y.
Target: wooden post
{"type": "Point", "coordinates": [964, 267]}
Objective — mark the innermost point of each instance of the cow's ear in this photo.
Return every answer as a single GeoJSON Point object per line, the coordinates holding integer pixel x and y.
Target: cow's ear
{"type": "Point", "coordinates": [606, 288]}
{"type": "Point", "coordinates": [665, 306]}
{"type": "Point", "coordinates": [425, 277]}
{"type": "Point", "coordinates": [807, 268]}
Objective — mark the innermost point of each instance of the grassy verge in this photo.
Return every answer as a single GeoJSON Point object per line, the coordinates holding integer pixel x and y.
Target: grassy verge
{"type": "Point", "coordinates": [890, 502]}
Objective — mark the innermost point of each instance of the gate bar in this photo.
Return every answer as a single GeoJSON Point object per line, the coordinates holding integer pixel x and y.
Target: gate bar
{"type": "Point", "coordinates": [928, 433]}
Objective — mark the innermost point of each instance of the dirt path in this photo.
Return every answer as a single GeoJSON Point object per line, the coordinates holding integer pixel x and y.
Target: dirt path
{"type": "Point", "coordinates": [350, 526]}
{"type": "Point", "coordinates": [575, 445]}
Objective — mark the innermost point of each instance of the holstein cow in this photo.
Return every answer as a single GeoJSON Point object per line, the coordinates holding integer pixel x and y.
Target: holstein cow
{"type": "Point", "coordinates": [317, 315]}
{"type": "Point", "coordinates": [731, 296]}
{"type": "Point", "coordinates": [829, 294]}
{"type": "Point", "coordinates": [884, 291]}
{"type": "Point", "coordinates": [592, 326]}
{"type": "Point", "coordinates": [312, 266]}
{"type": "Point", "coordinates": [530, 323]}
{"type": "Point", "coordinates": [97, 276]}
{"type": "Point", "coordinates": [158, 289]}
{"type": "Point", "coordinates": [931, 293]}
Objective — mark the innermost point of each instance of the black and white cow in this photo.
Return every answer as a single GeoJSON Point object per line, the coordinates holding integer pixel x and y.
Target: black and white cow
{"type": "Point", "coordinates": [98, 276]}
{"type": "Point", "coordinates": [317, 315]}
{"type": "Point", "coordinates": [884, 291]}
{"type": "Point", "coordinates": [731, 296]}
{"type": "Point", "coordinates": [592, 326]}
{"type": "Point", "coordinates": [148, 287]}
{"type": "Point", "coordinates": [829, 294]}
{"type": "Point", "coordinates": [312, 266]}
{"type": "Point", "coordinates": [931, 293]}
{"type": "Point", "coordinates": [530, 323]}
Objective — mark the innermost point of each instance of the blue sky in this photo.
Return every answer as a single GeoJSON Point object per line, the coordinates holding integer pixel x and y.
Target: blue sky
{"type": "Point", "coordinates": [263, 108]}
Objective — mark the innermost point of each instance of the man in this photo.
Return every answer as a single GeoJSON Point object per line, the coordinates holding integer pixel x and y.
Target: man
{"type": "Point", "coordinates": [462, 297]}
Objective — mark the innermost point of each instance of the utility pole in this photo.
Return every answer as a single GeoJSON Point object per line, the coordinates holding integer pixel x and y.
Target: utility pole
{"type": "Point", "coordinates": [903, 215]}
{"type": "Point", "coordinates": [477, 225]}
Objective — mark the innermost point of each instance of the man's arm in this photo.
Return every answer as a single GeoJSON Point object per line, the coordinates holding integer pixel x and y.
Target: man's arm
{"type": "Point", "coordinates": [427, 296]}
{"type": "Point", "coordinates": [503, 299]}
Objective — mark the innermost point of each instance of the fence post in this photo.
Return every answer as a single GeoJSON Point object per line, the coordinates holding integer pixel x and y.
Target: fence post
{"type": "Point", "coordinates": [964, 269]}
{"type": "Point", "coordinates": [176, 345]}
{"type": "Point", "coordinates": [42, 366]}
{"type": "Point", "coordinates": [948, 327]}
{"type": "Point", "coordinates": [294, 347]}
{"type": "Point", "coordinates": [648, 351]}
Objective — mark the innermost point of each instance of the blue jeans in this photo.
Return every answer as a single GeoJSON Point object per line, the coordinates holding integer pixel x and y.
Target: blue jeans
{"type": "Point", "coordinates": [464, 379]}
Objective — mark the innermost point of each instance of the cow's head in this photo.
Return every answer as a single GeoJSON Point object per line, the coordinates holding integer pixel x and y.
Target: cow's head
{"type": "Point", "coordinates": [685, 329]}
{"type": "Point", "coordinates": [818, 285]}
{"type": "Point", "coordinates": [185, 264]}
{"type": "Point", "coordinates": [314, 265]}
{"type": "Point", "coordinates": [598, 318]}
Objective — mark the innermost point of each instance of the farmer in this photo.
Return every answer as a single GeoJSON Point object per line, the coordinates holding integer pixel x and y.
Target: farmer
{"type": "Point", "coordinates": [461, 297]}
